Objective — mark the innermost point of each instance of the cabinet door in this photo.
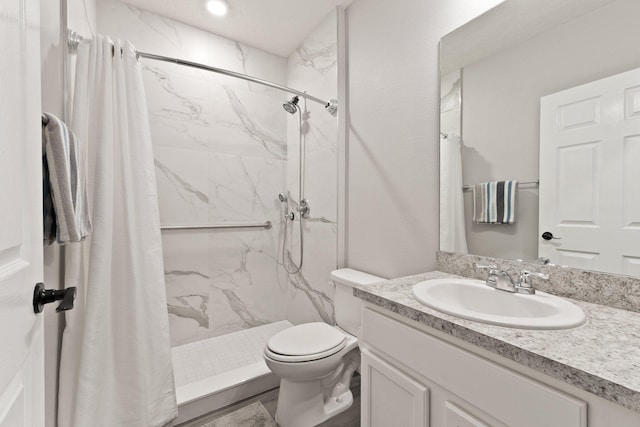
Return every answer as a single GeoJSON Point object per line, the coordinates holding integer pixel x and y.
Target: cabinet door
{"type": "Point", "coordinates": [390, 397]}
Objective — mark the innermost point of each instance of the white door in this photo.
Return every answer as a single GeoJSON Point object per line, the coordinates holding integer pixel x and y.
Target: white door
{"type": "Point", "coordinates": [589, 175]}
{"type": "Point", "coordinates": [21, 331]}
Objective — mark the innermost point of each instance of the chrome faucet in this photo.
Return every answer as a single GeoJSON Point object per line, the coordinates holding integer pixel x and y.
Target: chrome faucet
{"type": "Point", "coordinates": [502, 280]}
{"type": "Point", "coordinates": [498, 278]}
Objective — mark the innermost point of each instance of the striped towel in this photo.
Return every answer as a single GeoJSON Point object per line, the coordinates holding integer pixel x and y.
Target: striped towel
{"type": "Point", "coordinates": [495, 202]}
{"type": "Point", "coordinates": [65, 209]}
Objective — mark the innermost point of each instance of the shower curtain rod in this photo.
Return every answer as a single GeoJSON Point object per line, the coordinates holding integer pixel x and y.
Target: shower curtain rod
{"type": "Point", "coordinates": [74, 39]}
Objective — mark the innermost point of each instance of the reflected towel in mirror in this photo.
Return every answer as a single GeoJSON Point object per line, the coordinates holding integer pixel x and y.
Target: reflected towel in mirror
{"type": "Point", "coordinates": [494, 202]}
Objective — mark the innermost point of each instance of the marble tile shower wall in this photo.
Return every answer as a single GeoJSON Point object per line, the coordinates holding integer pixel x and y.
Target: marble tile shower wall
{"type": "Point", "coordinates": [221, 155]}
{"type": "Point", "coordinates": [313, 67]}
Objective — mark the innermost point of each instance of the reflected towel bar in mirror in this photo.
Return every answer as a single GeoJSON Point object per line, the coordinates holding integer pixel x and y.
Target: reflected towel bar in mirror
{"type": "Point", "coordinates": [470, 187]}
{"type": "Point", "coordinates": [266, 225]}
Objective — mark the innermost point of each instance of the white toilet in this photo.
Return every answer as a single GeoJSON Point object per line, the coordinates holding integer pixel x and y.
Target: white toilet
{"type": "Point", "coordinates": [316, 361]}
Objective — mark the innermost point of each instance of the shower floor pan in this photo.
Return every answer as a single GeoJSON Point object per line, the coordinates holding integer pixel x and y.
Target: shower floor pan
{"type": "Point", "coordinates": [216, 372]}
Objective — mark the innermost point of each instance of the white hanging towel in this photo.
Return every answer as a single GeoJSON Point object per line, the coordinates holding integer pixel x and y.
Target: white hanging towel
{"type": "Point", "coordinates": [494, 202]}
{"type": "Point", "coordinates": [115, 368]}
{"type": "Point", "coordinates": [66, 214]}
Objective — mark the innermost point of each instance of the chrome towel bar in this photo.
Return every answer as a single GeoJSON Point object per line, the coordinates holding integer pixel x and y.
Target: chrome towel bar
{"type": "Point", "coordinates": [470, 187]}
{"type": "Point", "coordinates": [266, 225]}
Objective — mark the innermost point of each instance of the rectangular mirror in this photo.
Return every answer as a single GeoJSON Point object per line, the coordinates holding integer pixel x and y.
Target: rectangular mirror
{"type": "Point", "coordinates": [545, 93]}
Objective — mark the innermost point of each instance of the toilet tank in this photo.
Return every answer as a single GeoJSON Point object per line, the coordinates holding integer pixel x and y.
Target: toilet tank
{"type": "Point", "coordinates": [347, 307]}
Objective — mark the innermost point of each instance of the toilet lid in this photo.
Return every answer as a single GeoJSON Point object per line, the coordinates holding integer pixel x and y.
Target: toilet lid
{"type": "Point", "coordinates": [306, 339]}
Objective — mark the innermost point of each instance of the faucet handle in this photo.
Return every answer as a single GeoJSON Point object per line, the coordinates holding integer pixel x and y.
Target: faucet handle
{"type": "Point", "coordinates": [525, 284]}
{"type": "Point", "coordinates": [526, 273]}
{"type": "Point", "coordinates": [491, 277]}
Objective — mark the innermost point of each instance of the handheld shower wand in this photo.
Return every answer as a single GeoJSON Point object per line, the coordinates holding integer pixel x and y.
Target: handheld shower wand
{"type": "Point", "coordinates": [284, 201]}
{"type": "Point", "coordinates": [288, 263]}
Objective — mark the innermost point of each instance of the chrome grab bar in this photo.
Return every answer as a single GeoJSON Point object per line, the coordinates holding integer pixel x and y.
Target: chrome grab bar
{"type": "Point", "coordinates": [266, 225]}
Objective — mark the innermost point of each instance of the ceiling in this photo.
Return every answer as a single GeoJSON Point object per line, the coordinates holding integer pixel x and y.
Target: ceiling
{"type": "Point", "coordinates": [276, 26]}
{"type": "Point", "coordinates": [521, 20]}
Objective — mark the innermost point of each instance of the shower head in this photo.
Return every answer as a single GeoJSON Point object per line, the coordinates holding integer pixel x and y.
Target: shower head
{"type": "Point", "coordinates": [291, 106]}
{"type": "Point", "coordinates": [282, 197]}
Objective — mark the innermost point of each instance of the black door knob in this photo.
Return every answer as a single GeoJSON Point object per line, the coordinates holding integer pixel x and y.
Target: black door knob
{"type": "Point", "coordinates": [42, 296]}
{"type": "Point", "coordinates": [547, 235]}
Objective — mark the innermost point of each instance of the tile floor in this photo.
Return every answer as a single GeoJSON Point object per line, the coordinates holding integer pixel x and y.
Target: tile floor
{"type": "Point", "coordinates": [252, 415]}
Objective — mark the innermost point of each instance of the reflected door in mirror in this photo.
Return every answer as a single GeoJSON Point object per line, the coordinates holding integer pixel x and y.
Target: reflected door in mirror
{"type": "Point", "coordinates": [589, 176]}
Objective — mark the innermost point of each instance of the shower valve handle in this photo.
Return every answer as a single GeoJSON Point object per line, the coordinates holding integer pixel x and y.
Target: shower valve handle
{"type": "Point", "coordinates": [304, 208]}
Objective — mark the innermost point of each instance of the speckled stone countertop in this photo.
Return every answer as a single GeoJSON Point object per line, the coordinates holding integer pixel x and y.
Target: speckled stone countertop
{"type": "Point", "coordinates": [601, 357]}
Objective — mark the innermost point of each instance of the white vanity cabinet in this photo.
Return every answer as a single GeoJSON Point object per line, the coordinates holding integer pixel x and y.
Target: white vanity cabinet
{"type": "Point", "coordinates": [413, 378]}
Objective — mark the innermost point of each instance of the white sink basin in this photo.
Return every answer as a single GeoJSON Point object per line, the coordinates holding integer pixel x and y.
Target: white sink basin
{"type": "Point", "coordinates": [474, 300]}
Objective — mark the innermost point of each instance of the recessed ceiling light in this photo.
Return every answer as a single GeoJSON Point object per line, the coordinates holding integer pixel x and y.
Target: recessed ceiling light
{"type": "Point", "coordinates": [217, 7]}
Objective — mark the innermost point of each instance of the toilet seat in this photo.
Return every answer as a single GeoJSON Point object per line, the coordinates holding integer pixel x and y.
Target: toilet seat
{"type": "Point", "coordinates": [306, 342]}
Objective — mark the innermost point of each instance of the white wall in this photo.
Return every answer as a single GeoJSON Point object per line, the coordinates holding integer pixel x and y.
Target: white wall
{"type": "Point", "coordinates": [393, 92]}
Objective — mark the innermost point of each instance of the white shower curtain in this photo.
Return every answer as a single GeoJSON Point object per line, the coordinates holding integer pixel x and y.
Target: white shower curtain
{"type": "Point", "coordinates": [115, 368]}
{"type": "Point", "coordinates": [452, 228]}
